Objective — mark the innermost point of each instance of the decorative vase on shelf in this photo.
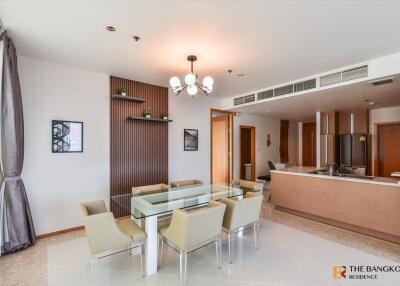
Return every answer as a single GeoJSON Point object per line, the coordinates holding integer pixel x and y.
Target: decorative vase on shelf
{"type": "Point", "coordinates": [122, 91]}
{"type": "Point", "coordinates": [165, 116]}
{"type": "Point", "coordinates": [147, 112]}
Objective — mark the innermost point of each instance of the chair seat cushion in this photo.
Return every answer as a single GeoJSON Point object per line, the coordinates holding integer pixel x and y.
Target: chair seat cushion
{"type": "Point", "coordinates": [130, 228]}
{"type": "Point", "coordinates": [162, 229]}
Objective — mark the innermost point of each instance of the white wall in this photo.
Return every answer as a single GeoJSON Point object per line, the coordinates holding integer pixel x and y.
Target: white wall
{"type": "Point", "coordinates": [57, 183]}
{"type": "Point", "coordinates": [264, 125]}
{"type": "Point", "coordinates": [189, 113]}
{"type": "Point", "coordinates": [381, 115]}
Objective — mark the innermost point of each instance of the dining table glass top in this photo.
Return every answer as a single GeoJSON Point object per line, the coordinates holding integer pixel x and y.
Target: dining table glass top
{"type": "Point", "coordinates": [145, 205]}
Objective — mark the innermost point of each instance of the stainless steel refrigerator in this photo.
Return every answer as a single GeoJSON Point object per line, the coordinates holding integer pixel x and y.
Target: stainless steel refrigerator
{"type": "Point", "coordinates": [353, 153]}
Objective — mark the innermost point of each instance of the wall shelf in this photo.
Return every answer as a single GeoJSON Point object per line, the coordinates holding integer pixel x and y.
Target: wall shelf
{"type": "Point", "coordinates": [149, 119]}
{"type": "Point", "coordinates": [128, 98]}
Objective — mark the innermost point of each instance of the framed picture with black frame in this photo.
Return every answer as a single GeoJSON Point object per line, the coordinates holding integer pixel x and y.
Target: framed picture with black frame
{"type": "Point", "coordinates": [191, 140]}
{"type": "Point", "coordinates": [66, 136]}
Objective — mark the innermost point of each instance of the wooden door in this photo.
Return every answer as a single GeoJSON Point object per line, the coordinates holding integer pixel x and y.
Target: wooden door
{"type": "Point", "coordinates": [309, 144]}
{"type": "Point", "coordinates": [284, 142]}
{"type": "Point", "coordinates": [247, 150]}
{"type": "Point", "coordinates": [388, 159]}
{"type": "Point", "coordinates": [220, 149]}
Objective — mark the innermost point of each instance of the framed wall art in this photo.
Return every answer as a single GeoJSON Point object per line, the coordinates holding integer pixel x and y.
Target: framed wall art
{"type": "Point", "coordinates": [66, 136]}
{"type": "Point", "coordinates": [191, 140]}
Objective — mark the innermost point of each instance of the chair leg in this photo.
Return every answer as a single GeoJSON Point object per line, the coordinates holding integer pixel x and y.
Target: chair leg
{"type": "Point", "coordinates": [183, 266]}
{"type": "Point", "coordinates": [161, 250]}
{"type": "Point", "coordinates": [230, 246]}
{"type": "Point", "coordinates": [256, 230]}
{"type": "Point", "coordinates": [141, 259]}
{"type": "Point", "coordinates": [218, 251]}
{"type": "Point", "coordinates": [92, 262]}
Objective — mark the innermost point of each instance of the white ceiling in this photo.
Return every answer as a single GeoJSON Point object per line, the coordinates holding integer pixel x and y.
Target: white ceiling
{"type": "Point", "coordinates": [270, 41]}
{"type": "Point", "coordinates": [302, 107]}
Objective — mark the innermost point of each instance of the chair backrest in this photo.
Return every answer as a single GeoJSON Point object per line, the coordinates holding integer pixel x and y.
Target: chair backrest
{"type": "Point", "coordinates": [251, 185]}
{"type": "Point", "coordinates": [101, 229]}
{"type": "Point", "coordinates": [271, 165]}
{"type": "Point", "coordinates": [150, 189]}
{"type": "Point", "coordinates": [186, 183]}
{"type": "Point", "coordinates": [92, 208]}
{"type": "Point", "coordinates": [192, 228]}
{"type": "Point", "coordinates": [242, 212]}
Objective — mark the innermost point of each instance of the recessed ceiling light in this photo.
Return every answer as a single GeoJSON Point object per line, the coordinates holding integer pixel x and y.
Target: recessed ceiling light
{"type": "Point", "coordinates": [229, 71]}
{"type": "Point", "coordinates": [110, 28]}
{"type": "Point", "coordinates": [241, 74]}
{"type": "Point", "coordinates": [136, 38]}
{"type": "Point", "coordinates": [370, 102]}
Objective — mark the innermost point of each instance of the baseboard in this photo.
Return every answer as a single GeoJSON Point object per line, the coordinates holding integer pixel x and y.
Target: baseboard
{"type": "Point", "coordinates": [58, 232]}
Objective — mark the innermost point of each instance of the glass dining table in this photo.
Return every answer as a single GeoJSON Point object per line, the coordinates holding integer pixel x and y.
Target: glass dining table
{"type": "Point", "coordinates": [145, 210]}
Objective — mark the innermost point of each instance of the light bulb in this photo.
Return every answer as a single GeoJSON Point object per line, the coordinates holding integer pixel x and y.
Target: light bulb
{"type": "Point", "coordinates": [177, 89]}
{"type": "Point", "coordinates": [208, 81]}
{"type": "Point", "coordinates": [192, 90]}
{"type": "Point", "coordinates": [174, 82]}
{"type": "Point", "coordinates": [190, 79]}
{"type": "Point", "coordinates": [208, 89]}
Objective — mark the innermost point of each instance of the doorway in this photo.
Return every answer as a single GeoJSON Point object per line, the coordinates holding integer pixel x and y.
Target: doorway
{"type": "Point", "coordinates": [387, 151]}
{"type": "Point", "coordinates": [247, 147]}
{"type": "Point", "coordinates": [309, 144]}
{"type": "Point", "coordinates": [221, 146]}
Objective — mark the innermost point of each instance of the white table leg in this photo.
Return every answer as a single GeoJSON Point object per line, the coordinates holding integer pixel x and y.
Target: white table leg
{"type": "Point", "coordinates": [151, 244]}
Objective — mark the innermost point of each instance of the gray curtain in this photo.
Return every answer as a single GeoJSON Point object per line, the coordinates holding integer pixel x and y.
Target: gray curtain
{"type": "Point", "coordinates": [16, 226]}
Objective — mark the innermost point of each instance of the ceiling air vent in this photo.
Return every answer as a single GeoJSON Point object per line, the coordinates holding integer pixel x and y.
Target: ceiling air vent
{"type": "Point", "coordinates": [329, 79]}
{"type": "Point", "coordinates": [305, 85]}
{"type": "Point", "coordinates": [244, 99]}
{"type": "Point", "coordinates": [265, 94]}
{"type": "Point", "coordinates": [355, 73]}
{"type": "Point", "coordinates": [287, 89]}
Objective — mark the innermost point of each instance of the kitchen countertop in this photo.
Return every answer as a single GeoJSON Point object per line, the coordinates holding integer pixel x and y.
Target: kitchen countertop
{"type": "Point", "coordinates": [306, 171]}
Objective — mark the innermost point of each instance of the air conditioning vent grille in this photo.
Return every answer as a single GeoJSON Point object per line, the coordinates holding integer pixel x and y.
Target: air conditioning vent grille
{"type": "Point", "coordinates": [330, 79]}
{"type": "Point", "coordinates": [265, 94]}
{"type": "Point", "coordinates": [244, 99]}
{"type": "Point", "coordinates": [249, 98]}
{"type": "Point", "coordinates": [305, 85]}
{"type": "Point", "coordinates": [287, 89]}
{"type": "Point", "coordinates": [355, 73]}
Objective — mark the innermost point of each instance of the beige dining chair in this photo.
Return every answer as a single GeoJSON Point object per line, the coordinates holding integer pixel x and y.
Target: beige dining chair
{"type": "Point", "coordinates": [192, 229]}
{"type": "Point", "coordinates": [249, 186]}
{"type": "Point", "coordinates": [106, 236]}
{"type": "Point", "coordinates": [241, 213]}
{"type": "Point", "coordinates": [186, 183]}
{"type": "Point", "coordinates": [150, 189]}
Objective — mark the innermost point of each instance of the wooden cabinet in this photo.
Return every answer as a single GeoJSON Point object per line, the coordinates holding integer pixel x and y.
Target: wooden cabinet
{"type": "Point", "coordinates": [344, 122]}
{"type": "Point", "coordinates": [327, 150]}
{"type": "Point", "coordinates": [360, 121]}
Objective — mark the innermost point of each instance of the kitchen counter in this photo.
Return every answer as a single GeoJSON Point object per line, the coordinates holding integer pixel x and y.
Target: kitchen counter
{"type": "Point", "coordinates": [369, 206]}
{"type": "Point", "coordinates": [308, 171]}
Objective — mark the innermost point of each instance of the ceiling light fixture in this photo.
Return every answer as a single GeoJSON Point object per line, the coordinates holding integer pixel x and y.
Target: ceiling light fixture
{"type": "Point", "coordinates": [110, 28]}
{"type": "Point", "coordinates": [136, 38]}
{"type": "Point", "coordinates": [191, 83]}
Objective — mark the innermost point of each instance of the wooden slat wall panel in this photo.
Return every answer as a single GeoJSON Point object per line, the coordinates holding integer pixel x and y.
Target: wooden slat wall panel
{"type": "Point", "coordinates": [139, 149]}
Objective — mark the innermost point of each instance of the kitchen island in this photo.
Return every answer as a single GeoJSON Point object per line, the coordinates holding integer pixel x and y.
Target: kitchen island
{"type": "Point", "coordinates": [367, 205]}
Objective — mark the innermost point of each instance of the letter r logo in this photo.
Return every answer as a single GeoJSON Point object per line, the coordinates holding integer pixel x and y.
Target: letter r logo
{"type": "Point", "coordinates": [339, 272]}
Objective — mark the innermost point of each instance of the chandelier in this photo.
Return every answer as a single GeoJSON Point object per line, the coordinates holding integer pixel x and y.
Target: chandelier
{"type": "Point", "coordinates": [191, 83]}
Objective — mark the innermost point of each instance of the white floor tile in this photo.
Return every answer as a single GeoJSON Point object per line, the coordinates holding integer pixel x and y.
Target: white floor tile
{"type": "Point", "coordinates": [286, 257]}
